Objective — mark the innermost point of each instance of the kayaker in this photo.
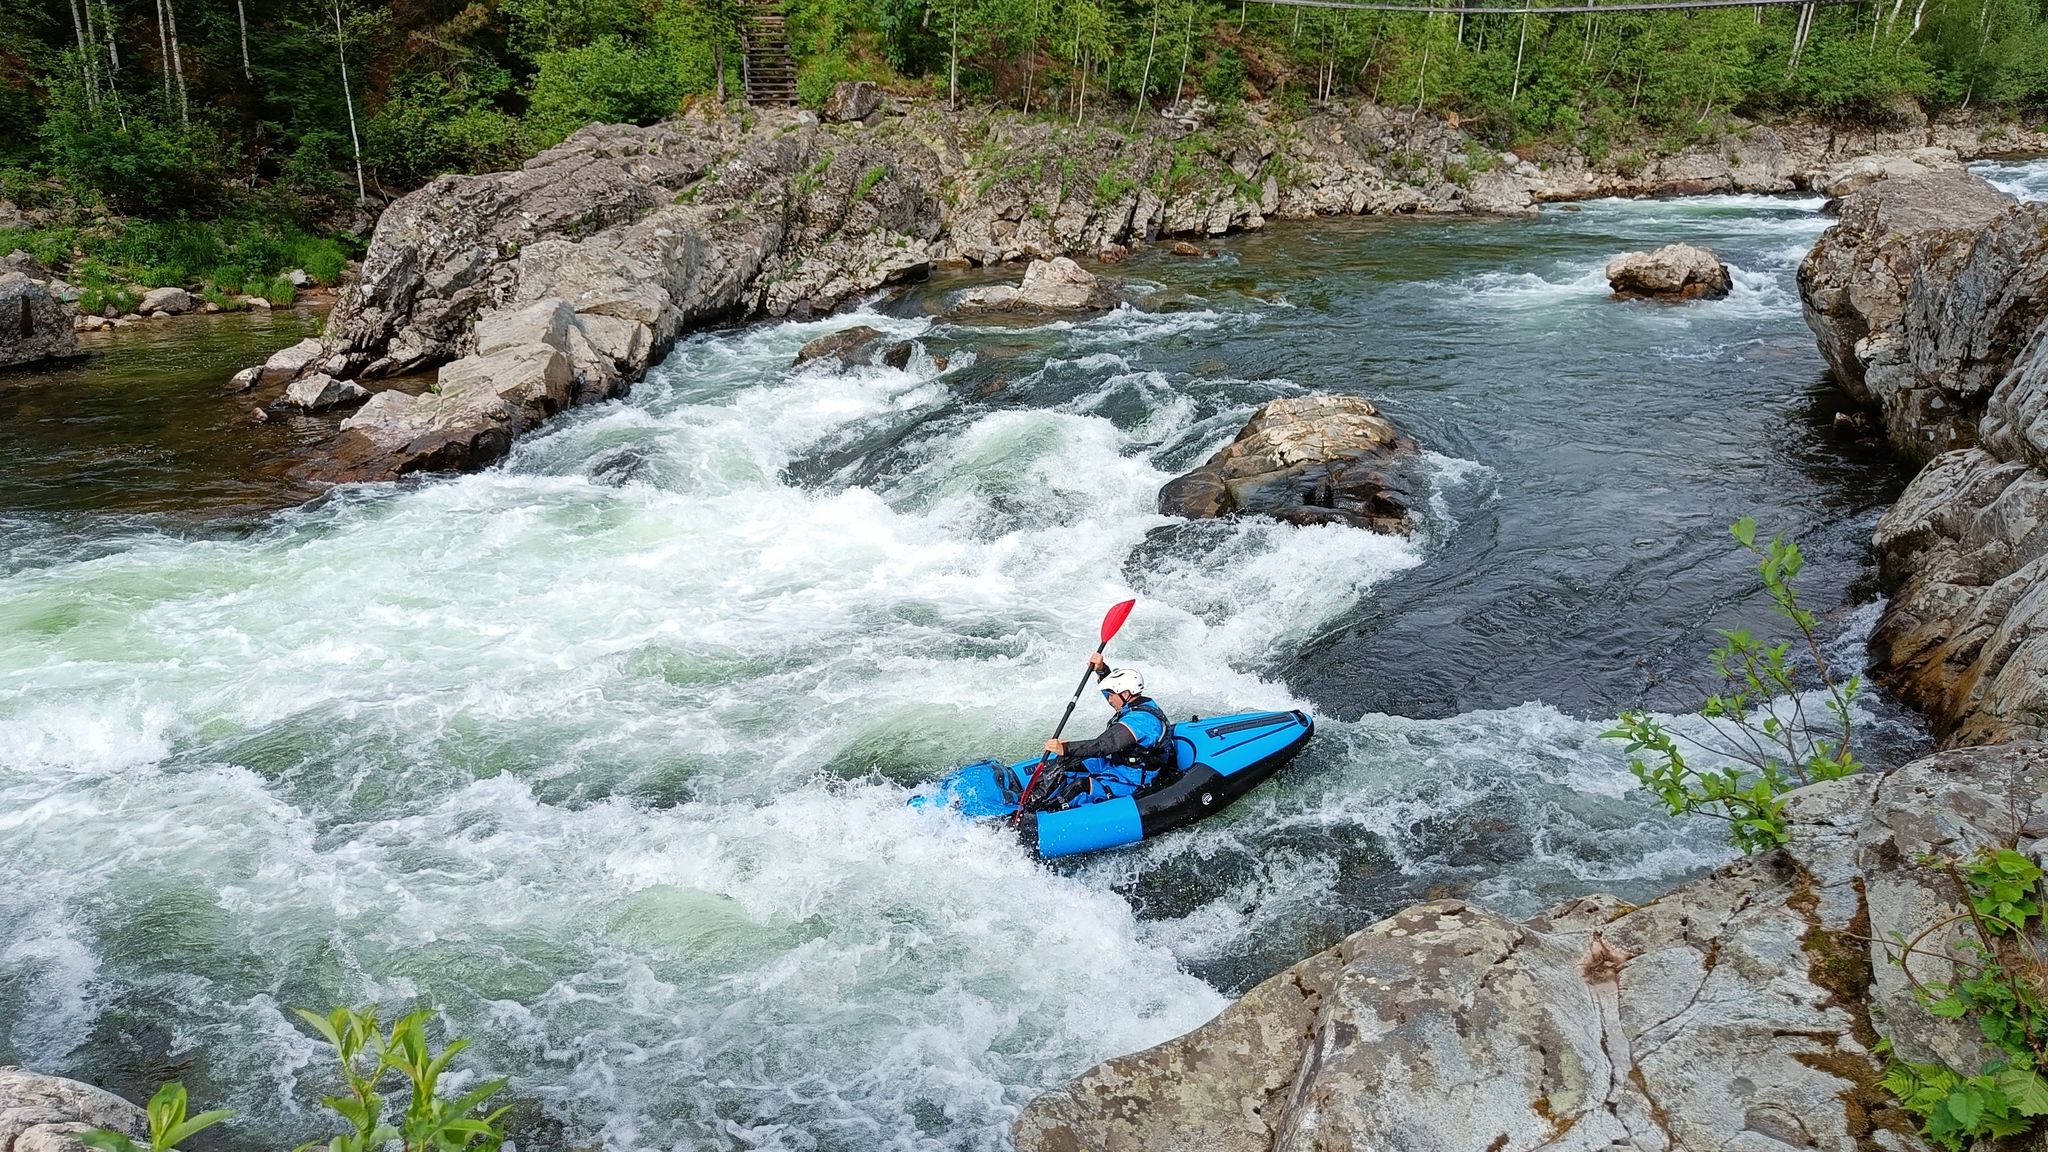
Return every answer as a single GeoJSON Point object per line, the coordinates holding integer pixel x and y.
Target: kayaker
{"type": "Point", "coordinates": [1131, 750]}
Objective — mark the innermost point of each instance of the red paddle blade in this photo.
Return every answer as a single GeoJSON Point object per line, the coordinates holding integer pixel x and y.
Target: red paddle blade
{"type": "Point", "coordinates": [1114, 619]}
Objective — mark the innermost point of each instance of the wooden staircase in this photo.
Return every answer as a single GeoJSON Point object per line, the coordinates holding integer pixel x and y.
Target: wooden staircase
{"type": "Point", "coordinates": [765, 66]}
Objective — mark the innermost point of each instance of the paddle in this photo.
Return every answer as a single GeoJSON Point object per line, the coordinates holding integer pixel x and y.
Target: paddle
{"type": "Point", "coordinates": [1111, 622]}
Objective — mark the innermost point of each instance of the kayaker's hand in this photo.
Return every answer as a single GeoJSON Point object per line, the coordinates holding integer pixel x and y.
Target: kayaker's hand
{"type": "Point", "coordinates": [1056, 747]}
{"type": "Point", "coordinates": [1096, 662]}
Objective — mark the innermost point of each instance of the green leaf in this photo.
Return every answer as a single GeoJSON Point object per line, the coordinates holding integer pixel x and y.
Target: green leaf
{"type": "Point", "coordinates": [199, 1123]}
{"type": "Point", "coordinates": [2027, 1091]}
{"type": "Point", "coordinates": [1966, 1107]}
{"type": "Point", "coordinates": [1744, 531]}
{"type": "Point", "coordinates": [107, 1141]}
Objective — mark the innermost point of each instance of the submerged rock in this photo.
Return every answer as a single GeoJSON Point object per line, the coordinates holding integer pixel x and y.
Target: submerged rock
{"type": "Point", "coordinates": [856, 346]}
{"type": "Point", "coordinates": [1675, 271]}
{"type": "Point", "coordinates": [33, 323]}
{"type": "Point", "coordinates": [1738, 1011]}
{"type": "Point", "coordinates": [41, 1113]}
{"type": "Point", "coordinates": [1050, 287]}
{"type": "Point", "coordinates": [1307, 460]}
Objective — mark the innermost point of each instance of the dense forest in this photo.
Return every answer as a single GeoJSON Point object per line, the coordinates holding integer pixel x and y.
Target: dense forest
{"type": "Point", "coordinates": [288, 110]}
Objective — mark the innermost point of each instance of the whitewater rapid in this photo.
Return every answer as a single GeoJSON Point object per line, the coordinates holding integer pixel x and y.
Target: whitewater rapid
{"type": "Point", "coordinates": [604, 753]}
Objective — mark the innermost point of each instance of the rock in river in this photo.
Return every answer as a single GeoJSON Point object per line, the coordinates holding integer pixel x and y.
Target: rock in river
{"type": "Point", "coordinates": [46, 1113]}
{"type": "Point", "coordinates": [319, 392]}
{"type": "Point", "coordinates": [859, 345]}
{"type": "Point", "coordinates": [1308, 460]}
{"type": "Point", "coordinates": [1050, 287]}
{"type": "Point", "coordinates": [1675, 271]}
{"type": "Point", "coordinates": [33, 325]}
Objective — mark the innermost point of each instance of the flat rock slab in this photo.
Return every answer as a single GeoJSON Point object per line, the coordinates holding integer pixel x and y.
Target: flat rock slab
{"type": "Point", "coordinates": [1307, 460]}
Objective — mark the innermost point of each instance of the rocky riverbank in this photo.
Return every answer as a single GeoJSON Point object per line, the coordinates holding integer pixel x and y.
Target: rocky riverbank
{"type": "Point", "coordinates": [646, 233]}
{"type": "Point", "coordinates": [1930, 299]}
{"type": "Point", "coordinates": [1738, 1011]}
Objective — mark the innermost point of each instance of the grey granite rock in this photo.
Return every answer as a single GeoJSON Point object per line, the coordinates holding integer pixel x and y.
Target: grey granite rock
{"type": "Point", "coordinates": [1735, 1012]}
{"type": "Point", "coordinates": [1307, 460]}
{"type": "Point", "coordinates": [33, 324]}
{"type": "Point", "coordinates": [41, 1113]}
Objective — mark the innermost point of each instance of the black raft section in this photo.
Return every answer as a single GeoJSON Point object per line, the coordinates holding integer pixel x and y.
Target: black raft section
{"type": "Point", "coordinates": [1201, 791]}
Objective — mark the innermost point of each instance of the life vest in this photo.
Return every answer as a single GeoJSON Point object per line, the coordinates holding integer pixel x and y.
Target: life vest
{"type": "Point", "coordinates": [1153, 755]}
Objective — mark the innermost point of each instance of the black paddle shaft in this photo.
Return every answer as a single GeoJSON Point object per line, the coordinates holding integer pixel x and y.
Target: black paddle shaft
{"type": "Point", "coordinates": [1062, 727]}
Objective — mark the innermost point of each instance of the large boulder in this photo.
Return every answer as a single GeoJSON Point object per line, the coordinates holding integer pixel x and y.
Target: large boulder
{"type": "Point", "coordinates": [1863, 171]}
{"type": "Point", "coordinates": [319, 392]}
{"type": "Point", "coordinates": [1964, 636]}
{"type": "Point", "coordinates": [41, 1113]}
{"type": "Point", "coordinates": [1675, 271]}
{"type": "Point", "coordinates": [477, 407]}
{"type": "Point", "coordinates": [286, 363]}
{"type": "Point", "coordinates": [33, 323]}
{"type": "Point", "coordinates": [1739, 1011]}
{"type": "Point", "coordinates": [174, 301]}
{"type": "Point", "coordinates": [1050, 287]}
{"type": "Point", "coordinates": [1853, 284]}
{"type": "Point", "coordinates": [1307, 460]}
{"type": "Point", "coordinates": [853, 100]}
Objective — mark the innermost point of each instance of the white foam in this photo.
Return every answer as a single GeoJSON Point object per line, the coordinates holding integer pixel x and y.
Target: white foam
{"type": "Point", "coordinates": [2024, 179]}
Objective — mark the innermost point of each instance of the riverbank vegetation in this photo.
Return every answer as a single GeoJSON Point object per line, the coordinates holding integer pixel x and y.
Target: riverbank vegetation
{"type": "Point", "coordinates": [283, 114]}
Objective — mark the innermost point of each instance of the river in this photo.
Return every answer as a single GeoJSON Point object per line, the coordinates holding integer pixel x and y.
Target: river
{"type": "Point", "coordinates": [603, 753]}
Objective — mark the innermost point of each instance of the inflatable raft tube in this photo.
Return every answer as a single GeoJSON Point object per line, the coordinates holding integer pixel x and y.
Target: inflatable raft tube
{"type": "Point", "coordinates": [1216, 761]}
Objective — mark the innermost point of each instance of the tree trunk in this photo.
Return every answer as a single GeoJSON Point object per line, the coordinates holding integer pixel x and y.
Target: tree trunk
{"type": "Point", "coordinates": [85, 55]}
{"type": "Point", "coordinates": [348, 98]}
{"type": "Point", "coordinates": [163, 44]}
{"type": "Point", "coordinates": [1516, 91]}
{"type": "Point", "coordinates": [1147, 81]}
{"type": "Point", "coordinates": [1187, 49]}
{"type": "Point", "coordinates": [178, 62]}
{"type": "Point", "coordinates": [242, 17]}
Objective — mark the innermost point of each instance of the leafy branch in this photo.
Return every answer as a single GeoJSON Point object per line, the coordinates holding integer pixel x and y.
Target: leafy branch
{"type": "Point", "coordinates": [168, 1124]}
{"type": "Point", "coordinates": [1762, 733]}
{"type": "Point", "coordinates": [1999, 979]}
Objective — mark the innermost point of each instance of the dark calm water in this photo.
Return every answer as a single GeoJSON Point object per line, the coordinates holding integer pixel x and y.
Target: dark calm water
{"type": "Point", "coordinates": [604, 752]}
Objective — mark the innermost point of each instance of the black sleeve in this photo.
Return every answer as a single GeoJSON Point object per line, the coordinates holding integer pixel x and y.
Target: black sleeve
{"type": "Point", "coordinates": [1114, 739]}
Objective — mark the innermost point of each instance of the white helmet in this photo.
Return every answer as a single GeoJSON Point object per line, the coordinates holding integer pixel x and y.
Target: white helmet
{"type": "Point", "coordinates": [1124, 680]}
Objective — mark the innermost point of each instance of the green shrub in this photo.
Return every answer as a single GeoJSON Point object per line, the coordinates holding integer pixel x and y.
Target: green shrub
{"type": "Point", "coordinates": [608, 81]}
{"type": "Point", "coordinates": [168, 1125]}
{"type": "Point", "coordinates": [1997, 979]}
{"type": "Point", "coordinates": [1223, 79]}
{"type": "Point", "coordinates": [1765, 741]}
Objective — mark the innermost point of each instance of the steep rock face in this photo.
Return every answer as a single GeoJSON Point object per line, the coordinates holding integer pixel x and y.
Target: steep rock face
{"type": "Point", "coordinates": [33, 324]}
{"type": "Point", "coordinates": [1307, 460]}
{"type": "Point", "coordinates": [1735, 1012]}
{"type": "Point", "coordinates": [1964, 638]}
{"type": "Point", "coordinates": [1853, 285]}
{"type": "Point", "coordinates": [41, 1113]}
{"type": "Point", "coordinates": [1938, 287]}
